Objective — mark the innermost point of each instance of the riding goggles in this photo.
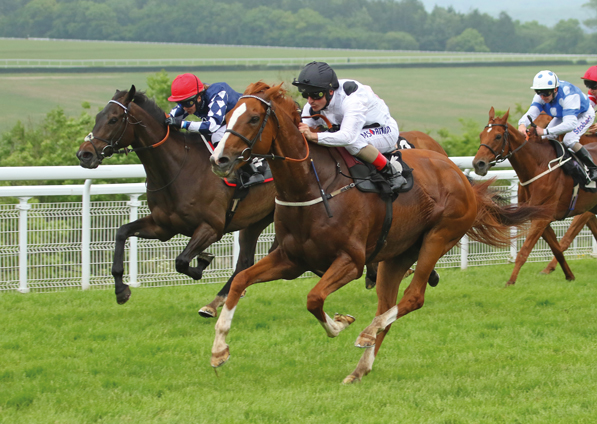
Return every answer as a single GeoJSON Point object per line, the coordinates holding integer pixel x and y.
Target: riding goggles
{"type": "Point", "coordinates": [189, 102]}
{"type": "Point", "coordinates": [544, 93]}
{"type": "Point", "coordinates": [315, 95]}
{"type": "Point", "coordinates": [591, 85]}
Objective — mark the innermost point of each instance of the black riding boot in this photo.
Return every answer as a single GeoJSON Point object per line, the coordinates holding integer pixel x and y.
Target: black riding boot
{"type": "Point", "coordinates": [393, 177]}
{"type": "Point", "coordinates": [586, 158]}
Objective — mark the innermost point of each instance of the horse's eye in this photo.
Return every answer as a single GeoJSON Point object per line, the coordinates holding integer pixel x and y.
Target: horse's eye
{"type": "Point", "coordinates": [498, 137]}
{"type": "Point", "coordinates": [254, 119]}
{"type": "Point", "coordinates": [113, 121]}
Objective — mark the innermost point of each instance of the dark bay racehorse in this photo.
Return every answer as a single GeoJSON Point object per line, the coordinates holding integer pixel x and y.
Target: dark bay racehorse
{"type": "Point", "coordinates": [183, 195]}
{"type": "Point", "coordinates": [530, 158]}
{"type": "Point", "coordinates": [429, 220]}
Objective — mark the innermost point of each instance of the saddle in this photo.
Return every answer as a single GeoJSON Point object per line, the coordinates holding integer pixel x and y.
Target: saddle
{"type": "Point", "coordinates": [366, 177]}
{"type": "Point", "coordinates": [253, 173]}
{"type": "Point", "coordinates": [572, 166]}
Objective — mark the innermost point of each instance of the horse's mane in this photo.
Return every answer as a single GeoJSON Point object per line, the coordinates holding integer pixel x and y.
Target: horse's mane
{"type": "Point", "coordinates": [145, 103]}
{"type": "Point", "coordinates": [278, 95]}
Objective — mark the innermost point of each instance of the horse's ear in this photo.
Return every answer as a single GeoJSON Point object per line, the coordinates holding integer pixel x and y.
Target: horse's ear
{"type": "Point", "coordinates": [130, 95]}
{"type": "Point", "coordinates": [491, 113]}
{"type": "Point", "coordinates": [505, 117]}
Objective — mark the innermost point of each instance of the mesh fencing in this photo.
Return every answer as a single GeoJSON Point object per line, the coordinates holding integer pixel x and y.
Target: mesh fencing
{"type": "Point", "coordinates": [54, 240]}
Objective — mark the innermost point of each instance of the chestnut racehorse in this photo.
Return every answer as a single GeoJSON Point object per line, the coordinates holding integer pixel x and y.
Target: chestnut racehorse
{"type": "Point", "coordinates": [184, 196]}
{"type": "Point", "coordinates": [430, 219]}
{"type": "Point", "coordinates": [530, 158]}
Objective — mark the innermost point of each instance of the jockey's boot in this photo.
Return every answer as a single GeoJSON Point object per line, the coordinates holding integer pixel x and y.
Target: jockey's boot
{"type": "Point", "coordinates": [586, 158]}
{"type": "Point", "coordinates": [393, 177]}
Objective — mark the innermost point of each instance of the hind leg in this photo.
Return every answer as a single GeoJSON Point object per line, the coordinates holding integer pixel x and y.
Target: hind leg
{"type": "Point", "coordinates": [579, 221]}
{"type": "Point", "coordinates": [390, 274]}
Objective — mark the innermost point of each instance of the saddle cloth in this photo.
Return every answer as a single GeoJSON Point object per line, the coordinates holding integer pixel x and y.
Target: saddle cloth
{"type": "Point", "coordinates": [574, 167]}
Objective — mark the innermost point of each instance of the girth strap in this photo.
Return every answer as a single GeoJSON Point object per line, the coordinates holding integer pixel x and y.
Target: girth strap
{"type": "Point", "coordinates": [385, 229]}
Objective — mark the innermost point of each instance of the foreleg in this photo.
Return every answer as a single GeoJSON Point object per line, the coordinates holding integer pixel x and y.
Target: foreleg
{"type": "Point", "coordinates": [143, 228]}
{"type": "Point", "coordinates": [536, 230]}
{"type": "Point", "coordinates": [274, 266]}
{"type": "Point", "coordinates": [550, 237]}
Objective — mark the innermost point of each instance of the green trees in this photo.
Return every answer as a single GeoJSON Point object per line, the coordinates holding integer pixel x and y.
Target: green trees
{"type": "Point", "coordinates": [368, 24]}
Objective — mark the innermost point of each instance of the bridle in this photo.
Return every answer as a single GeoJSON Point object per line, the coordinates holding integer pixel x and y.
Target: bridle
{"type": "Point", "coordinates": [501, 157]}
{"type": "Point", "coordinates": [247, 154]}
{"type": "Point", "coordinates": [112, 147]}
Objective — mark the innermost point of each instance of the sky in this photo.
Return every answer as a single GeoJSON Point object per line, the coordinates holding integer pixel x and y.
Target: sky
{"type": "Point", "coordinates": [546, 12]}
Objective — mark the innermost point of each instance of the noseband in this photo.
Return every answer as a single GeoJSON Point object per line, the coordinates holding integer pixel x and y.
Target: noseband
{"type": "Point", "coordinates": [501, 157]}
{"type": "Point", "coordinates": [247, 154]}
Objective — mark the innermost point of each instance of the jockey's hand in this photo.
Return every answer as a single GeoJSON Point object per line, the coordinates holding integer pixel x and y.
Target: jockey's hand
{"type": "Point", "coordinates": [522, 128]}
{"type": "Point", "coordinates": [174, 121]}
{"type": "Point", "coordinates": [540, 131]}
{"type": "Point", "coordinates": [309, 135]}
{"type": "Point", "coordinates": [592, 129]}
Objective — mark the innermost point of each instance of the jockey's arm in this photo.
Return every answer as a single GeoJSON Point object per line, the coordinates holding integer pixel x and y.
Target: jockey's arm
{"type": "Point", "coordinates": [215, 116]}
{"type": "Point", "coordinates": [533, 112]}
{"type": "Point", "coordinates": [352, 124]}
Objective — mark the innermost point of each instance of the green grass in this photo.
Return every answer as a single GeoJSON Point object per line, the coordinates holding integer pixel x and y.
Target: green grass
{"type": "Point", "coordinates": [425, 99]}
{"type": "Point", "coordinates": [475, 353]}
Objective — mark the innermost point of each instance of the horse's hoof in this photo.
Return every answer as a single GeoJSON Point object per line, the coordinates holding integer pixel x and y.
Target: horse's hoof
{"type": "Point", "coordinates": [220, 358]}
{"type": "Point", "coordinates": [208, 312]}
{"type": "Point", "coordinates": [243, 294]}
{"type": "Point", "coordinates": [369, 284]}
{"type": "Point", "coordinates": [123, 296]}
{"type": "Point", "coordinates": [510, 283]}
{"type": "Point", "coordinates": [571, 278]}
{"type": "Point", "coordinates": [344, 319]}
{"type": "Point", "coordinates": [351, 379]}
{"type": "Point", "coordinates": [433, 279]}
{"type": "Point", "coordinates": [206, 257]}
{"type": "Point", "coordinates": [365, 340]}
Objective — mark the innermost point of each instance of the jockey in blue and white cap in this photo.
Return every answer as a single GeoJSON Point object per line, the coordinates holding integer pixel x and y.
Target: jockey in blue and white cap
{"type": "Point", "coordinates": [571, 111]}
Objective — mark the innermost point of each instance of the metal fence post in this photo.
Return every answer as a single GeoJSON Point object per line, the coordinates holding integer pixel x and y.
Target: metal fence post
{"type": "Point", "coordinates": [513, 231]}
{"type": "Point", "coordinates": [134, 204]}
{"type": "Point", "coordinates": [86, 236]}
{"type": "Point", "coordinates": [235, 249]}
{"type": "Point", "coordinates": [464, 246]}
{"type": "Point", "coordinates": [23, 207]}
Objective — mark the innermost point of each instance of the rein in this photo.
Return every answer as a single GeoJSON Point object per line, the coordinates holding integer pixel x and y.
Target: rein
{"type": "Point", "coordinates": [112, 145]}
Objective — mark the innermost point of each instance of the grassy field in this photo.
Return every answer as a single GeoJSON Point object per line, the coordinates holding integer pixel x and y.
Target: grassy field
{"type": "Point", "coordinates": [475, 353]}
{"type": "Point", "coordinates": [425, 99]}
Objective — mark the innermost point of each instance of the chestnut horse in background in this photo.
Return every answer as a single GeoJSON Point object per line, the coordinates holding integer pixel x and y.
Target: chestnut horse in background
{"type": "Point", "coordinates": [441, 207]}
{"type": "Point", "coordinates": [579, 221]}
{"type": "Point", "coordinates": [530, 158]}
{"type": "Point", "coordinates": [183, 195]}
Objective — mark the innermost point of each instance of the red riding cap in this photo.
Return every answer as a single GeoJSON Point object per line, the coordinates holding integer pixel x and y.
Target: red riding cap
{"type": "Point", "coordinates": [591, 73]}
{"type": "Point", "coordinates": [185, 86]}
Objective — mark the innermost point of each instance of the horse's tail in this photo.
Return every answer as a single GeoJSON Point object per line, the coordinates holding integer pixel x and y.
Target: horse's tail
{"type": "Point", "coordinates": [493, 221]}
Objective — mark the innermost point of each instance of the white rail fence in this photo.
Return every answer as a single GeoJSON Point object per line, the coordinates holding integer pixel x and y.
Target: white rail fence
{"type": "Point", "coordinates": [51, 246]}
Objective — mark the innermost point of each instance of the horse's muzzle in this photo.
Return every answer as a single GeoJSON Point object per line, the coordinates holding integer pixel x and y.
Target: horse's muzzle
{"type": "Point", "coordinates": [88, 159]}
{"type": "Point", "coordinates": [481, 167]}
{"type": "Point", "coordinates": [222, 167]}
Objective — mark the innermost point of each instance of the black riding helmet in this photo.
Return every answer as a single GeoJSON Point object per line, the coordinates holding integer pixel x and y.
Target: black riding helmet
{"type": "Point", "coordinates": [317, 77]}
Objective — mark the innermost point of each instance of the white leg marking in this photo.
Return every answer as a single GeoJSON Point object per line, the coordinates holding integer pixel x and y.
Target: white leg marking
{"type": "Point", "coordinates": [389, 317]}
{"type": "Point", "coordinates": [330, 326]}
{"type": "Point", "coordinates": [235, 115]}
{"type": "Point", "coordinates": [222, 328]}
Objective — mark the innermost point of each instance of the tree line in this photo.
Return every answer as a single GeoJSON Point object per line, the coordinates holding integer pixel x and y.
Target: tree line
{"type": "Point", "coordinates": [358, 24]}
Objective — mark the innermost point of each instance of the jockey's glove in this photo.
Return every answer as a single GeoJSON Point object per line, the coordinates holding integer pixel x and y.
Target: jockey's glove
{"type": "Point", "coordinates": [174, 121]}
